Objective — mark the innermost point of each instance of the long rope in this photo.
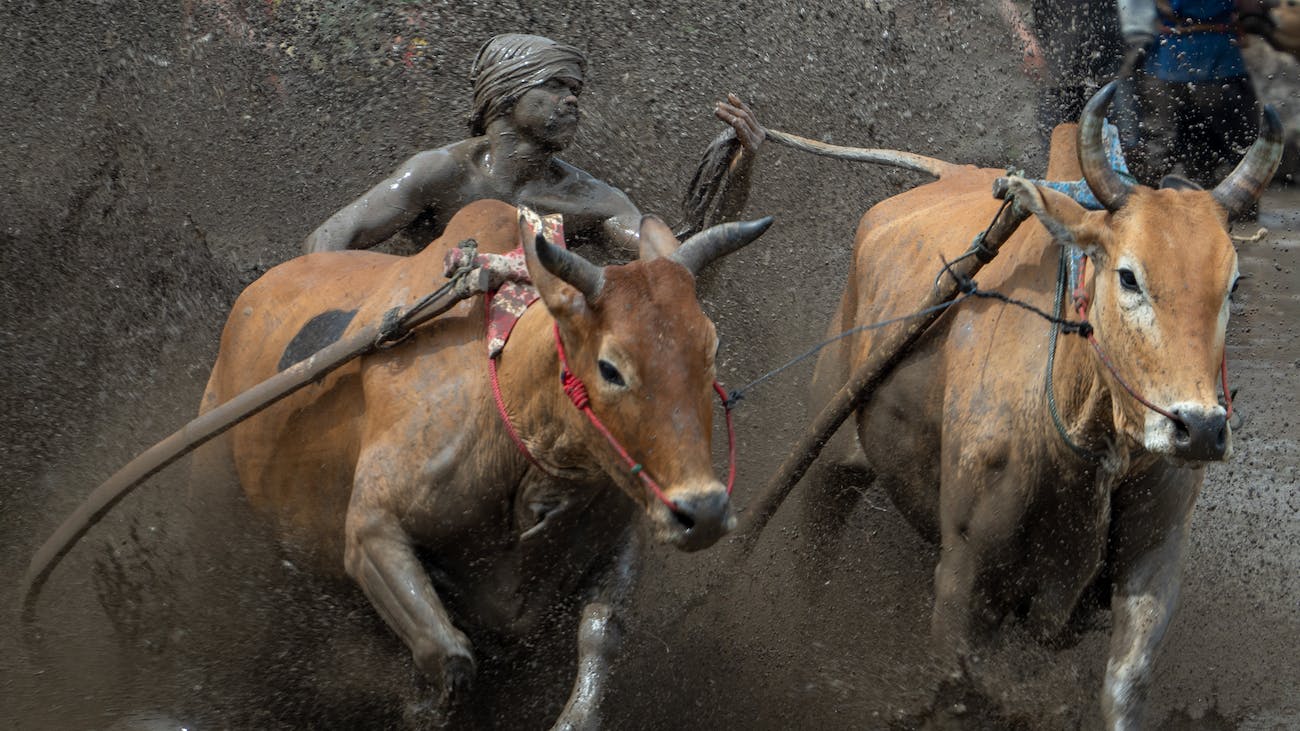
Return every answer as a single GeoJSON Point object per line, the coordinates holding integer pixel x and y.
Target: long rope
{"type": "Point", "coordinates": [1062, 274]}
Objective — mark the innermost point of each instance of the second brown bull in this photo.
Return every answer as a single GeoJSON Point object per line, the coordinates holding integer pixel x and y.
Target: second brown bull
{"type": "Point", "coordinates": [962, 434]}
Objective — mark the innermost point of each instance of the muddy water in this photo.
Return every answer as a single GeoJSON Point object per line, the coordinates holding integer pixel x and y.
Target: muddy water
{"type": "Point", "coordinates": [164, 154]}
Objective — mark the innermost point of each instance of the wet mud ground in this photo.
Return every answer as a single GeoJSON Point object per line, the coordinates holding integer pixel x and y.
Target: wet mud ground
{"type": "Point", "coordinates": [163, 156]}
{"type": "Point", "coordinates": [162, 621]}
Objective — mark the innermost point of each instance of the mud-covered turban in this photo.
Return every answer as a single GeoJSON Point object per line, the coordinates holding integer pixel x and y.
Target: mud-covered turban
{"type": "Point", "coordinates": [512, 63]}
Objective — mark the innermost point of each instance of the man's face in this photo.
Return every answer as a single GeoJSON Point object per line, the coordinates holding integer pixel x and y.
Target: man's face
{"type": "Point", "coordinates": [548, 114]}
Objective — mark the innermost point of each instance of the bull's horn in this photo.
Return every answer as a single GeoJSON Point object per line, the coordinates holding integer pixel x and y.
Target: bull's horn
{"type": "Point", "coordinates": [1243, 186]}
{"type": "Point", "coordinates": [1106, 184]}
{"type": "Point", "coordinates": [717, 241]}
{"type": "Point", "coordinates": [586, 277]}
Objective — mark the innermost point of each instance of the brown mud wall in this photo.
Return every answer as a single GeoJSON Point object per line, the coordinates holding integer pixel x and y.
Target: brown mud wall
{"type": "Point", "coordinates": [159, 156]}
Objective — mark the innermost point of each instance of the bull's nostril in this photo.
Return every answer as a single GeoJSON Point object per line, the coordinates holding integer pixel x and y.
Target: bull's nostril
{"type": "Point", "coordinates": [1182, 436]}
{"type": "Point", "coordinates": [683, 517]}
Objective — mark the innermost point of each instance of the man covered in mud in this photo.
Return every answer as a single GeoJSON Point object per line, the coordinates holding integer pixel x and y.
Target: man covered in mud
{"type": "Point", "coordinates": [525, 111]}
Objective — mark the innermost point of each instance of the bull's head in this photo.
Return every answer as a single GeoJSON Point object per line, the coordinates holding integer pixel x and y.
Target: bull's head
{"type": "Point", "coordinates": [1164, 267]}
{"type": "Point", "coordinates": [636, 336]}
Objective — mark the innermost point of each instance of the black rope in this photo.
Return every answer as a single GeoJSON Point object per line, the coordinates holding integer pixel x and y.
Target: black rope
{"type": "Point", "coordinates": [393, 329]}
{"type": "Point", "coordinates": [1062, 273]}
{"type": "Point", "coordinates": [968, 287]}
{"type": "Point", "coordinates": [965, 285]}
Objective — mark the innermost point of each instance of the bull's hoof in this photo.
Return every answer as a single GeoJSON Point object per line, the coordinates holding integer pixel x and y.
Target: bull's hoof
{"type": "Point", "coordinates": [449, 669]}
{"type": "Point", "coordinates": [456, 678]}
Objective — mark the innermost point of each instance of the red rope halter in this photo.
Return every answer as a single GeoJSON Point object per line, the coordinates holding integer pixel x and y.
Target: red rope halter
{"type": "Point", "coordinates": [576, 390]}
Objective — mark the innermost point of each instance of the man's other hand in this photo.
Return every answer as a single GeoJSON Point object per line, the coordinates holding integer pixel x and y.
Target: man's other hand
{"type": "Point", "coordinates": [737, 113]}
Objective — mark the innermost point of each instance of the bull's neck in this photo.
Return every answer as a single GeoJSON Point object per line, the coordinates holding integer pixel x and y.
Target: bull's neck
{"type": "Point", "coordinates": [528, 371]}
{"type": "Point", "coordinates": [1082, 390]}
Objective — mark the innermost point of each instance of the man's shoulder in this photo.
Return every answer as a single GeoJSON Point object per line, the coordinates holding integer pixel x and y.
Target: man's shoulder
{"type": "Point", "coordinates": [575, 179]}
{"type": "Point", "coordinates": [452, 154]}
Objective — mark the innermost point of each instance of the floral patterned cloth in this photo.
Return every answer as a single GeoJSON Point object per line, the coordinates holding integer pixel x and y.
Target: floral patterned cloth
{"type": "Point", "coordinates": [510, 288]}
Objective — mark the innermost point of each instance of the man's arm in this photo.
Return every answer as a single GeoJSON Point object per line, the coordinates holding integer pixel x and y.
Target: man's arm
{"type": "Point", "coordinates": [623, 232]}
{"type": "Point", "coordinates": [1034, 64]}
{"type": "Point", "coordinates": [1137, 23]}
{"type": "Point", "coordinates": [386, 208]}
{"type": "Point", "coordinates": [720, 187]}
{"type": "Point", "coordinates": [751, 135]}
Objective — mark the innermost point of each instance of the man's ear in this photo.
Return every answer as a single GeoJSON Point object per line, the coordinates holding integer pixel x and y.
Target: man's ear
{"type": "Point", "coordinates": [657, 239]}
{"type": "Point", "coordinates": [1068, 222]}
{"type": "Point", "coordinates": [565, 281]}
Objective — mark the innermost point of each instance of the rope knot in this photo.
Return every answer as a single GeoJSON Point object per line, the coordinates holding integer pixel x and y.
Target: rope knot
{"type": "Point", "coordinates": [1082, 328]}
{"type": "Point", "coordinates": [575, 389]}
{"type": "Point", "coordinates": [391, 329]}
{"type": "Point", "coordinates": [733, 398]}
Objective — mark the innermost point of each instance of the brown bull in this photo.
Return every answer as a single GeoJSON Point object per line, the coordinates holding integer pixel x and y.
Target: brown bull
{"type": "Point", "coordinates": [404, 449]}
{"type": "Point", "coordinates": [961, 435]}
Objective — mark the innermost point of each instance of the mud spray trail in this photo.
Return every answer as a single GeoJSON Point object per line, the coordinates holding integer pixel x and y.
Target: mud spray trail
{"type": "Point", "coordinates": [160, 156]}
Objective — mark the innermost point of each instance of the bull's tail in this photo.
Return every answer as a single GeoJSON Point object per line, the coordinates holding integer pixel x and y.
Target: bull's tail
{"type": "Point", "coordinates": [896, 158]}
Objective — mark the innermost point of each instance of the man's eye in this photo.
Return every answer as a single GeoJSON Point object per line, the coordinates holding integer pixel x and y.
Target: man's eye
{"type": "Point", "coordinates": [610, 373]}
{"type": "Point", "coordinates": [1128, 280]}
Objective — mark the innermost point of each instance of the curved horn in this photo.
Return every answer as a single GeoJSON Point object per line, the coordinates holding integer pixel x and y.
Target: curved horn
{"type": "Point", "coordinates": [586, 277]}
{"type": "Point", "coordinates": [717, 241]}
{"type": "Point", "coordinates": [1106, 184]}
{"type": "Point", "coordinates": [1243, 186]}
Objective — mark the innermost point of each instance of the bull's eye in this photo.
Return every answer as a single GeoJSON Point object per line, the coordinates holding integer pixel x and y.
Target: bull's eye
{"type": "Point", "coordinates": [1128, 280]}
{"type": "Point", "coordinates": [610, 373]}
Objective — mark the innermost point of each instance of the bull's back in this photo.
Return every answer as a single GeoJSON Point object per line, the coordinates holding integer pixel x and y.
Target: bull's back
{"type": "Point", "coordinates": [896, 254]}
{"type": "Point", "coordinates": [296, 459]}
{"type": "Point", "coordinates": [900, 247]}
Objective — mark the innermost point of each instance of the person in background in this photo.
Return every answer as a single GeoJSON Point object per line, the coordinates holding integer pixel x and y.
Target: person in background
{"type": "Point", "coordinates": [1072, 47]}
{"type": "Point", "coordinates": [1183, 75]}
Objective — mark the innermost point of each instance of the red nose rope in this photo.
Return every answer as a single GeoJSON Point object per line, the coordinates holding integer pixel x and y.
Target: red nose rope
{"type": "Point", "coordinates": [1080, 296]}
{"type": "Point", "coordinates": [576, 390]}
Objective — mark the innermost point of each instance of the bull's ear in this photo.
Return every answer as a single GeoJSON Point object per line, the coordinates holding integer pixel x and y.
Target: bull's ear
{"type": "Point", "coordinates": [657, 240]}
{"type": "Point", "coordinates": [1062, 216]}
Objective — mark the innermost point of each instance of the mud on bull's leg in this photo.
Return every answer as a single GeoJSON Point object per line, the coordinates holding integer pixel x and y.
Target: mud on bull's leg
{"type": "Point", "coordinates": [1149, 538]}
{"type": "Point", "coordinates": [379, 557]}
{"type": "Point", "coordinates": [981, 507]}
{"type": "Point", "coordinates": [600, 634]}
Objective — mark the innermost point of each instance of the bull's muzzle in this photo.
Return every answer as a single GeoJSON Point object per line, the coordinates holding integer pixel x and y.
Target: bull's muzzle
{"type": "Point", "coordinates": [701, 518]}
{"type": "Point", "coordinates": [1201, 435]}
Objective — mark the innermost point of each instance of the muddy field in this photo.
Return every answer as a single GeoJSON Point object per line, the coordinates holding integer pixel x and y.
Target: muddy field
{"type": "Point", "coordinates": [159, 156]}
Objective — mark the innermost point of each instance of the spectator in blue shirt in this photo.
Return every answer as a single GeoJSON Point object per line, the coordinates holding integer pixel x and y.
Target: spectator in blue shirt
{"type": "Point", "coordinates": [1195, 106]}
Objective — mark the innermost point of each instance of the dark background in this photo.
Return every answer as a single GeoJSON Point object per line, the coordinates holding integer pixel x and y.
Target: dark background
{"type": "Point", "coordinates": [159, 156]}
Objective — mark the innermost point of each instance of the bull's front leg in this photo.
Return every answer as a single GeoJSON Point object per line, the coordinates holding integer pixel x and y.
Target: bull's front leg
{"type": "Point", "coordinates": [1149, 539]}
{"type": "Point", "coordinates": [600, 634]}
{"type": "Point", "coordinates": [981, 508]}
{"type": "Point", "coordinates": [380, 558]}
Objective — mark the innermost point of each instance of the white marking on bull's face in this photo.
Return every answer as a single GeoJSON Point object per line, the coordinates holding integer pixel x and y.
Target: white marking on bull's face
{"type": "Point", "coordinates": [1161, 434]}
{"type": "Point", "coordinates": [1131, 296]}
